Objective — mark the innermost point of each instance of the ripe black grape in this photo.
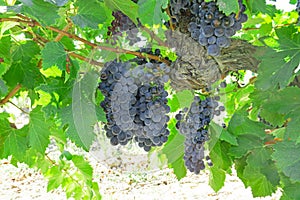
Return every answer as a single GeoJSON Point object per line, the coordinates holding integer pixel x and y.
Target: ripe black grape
{"type": "Point", "coordinates": [193, 124]}
{"type": "Point", "coordinates": [123, 24]}
{"type": "Point", "coordinates": [207, 23]}
{"type": "Point", "coordinates": [135, 103]}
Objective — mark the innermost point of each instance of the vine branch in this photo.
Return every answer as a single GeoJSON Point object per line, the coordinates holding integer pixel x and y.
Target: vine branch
{"type": "Point", "coordinates": [41, 40]}
{"type": "Point", "coordinates": [10, 94]}
{"type": "Point", "coordinates": [22, 110]}
{"type": "Point", "coordinates": [73, 36]}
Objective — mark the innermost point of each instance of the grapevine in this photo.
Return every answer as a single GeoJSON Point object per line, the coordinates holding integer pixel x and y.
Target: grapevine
{"type": "Point", "coordinates": [207, 24]}
{"type": "Point", "coordinates": [156, 75]}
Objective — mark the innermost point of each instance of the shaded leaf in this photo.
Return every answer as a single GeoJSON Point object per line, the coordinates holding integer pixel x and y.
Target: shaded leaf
{"type": "Point", "coordinates": [277, 66]}
{"type": "Point", "coordinates": [90, 14]}
{"type": "Point", "coordinates": [54, 54]}
{"type": "Point", "coordinates": [38, 131]}
{"type": "Point", "coordinates": [15, 143]}
{"type": "Point", "coordinates": [42, 11]}
{"type": "Point", "coordinates": [127, 7]}
{"type": "Point", "coordinates": [286, 157]}
{"type": "Point", "coordinates": [228, 6]}
{"type": "Point", "coordinates": [151, 13]}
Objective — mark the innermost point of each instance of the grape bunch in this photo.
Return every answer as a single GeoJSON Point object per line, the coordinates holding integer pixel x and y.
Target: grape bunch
{"type": "Point", "coordinates": [209, 26]}
{"type": "Point", "coordinates": [135, 103]}
{"type": "Point", "coordinates": [152, 118]}
{"type": "Point", "coordinates": [193, 124]}
{"type": "Point", "coordinates": [177, 6]}
{"type": "Point", "coordinates": [215, 29]}
{"type": "Point", "coordinates": [115, 104]}
{"type": "Point", "coordinates": [123, 24]}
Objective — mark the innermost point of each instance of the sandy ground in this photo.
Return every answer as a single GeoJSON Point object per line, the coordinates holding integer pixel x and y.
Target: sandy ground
{"type": "Point", "coordinates": [122, 173]}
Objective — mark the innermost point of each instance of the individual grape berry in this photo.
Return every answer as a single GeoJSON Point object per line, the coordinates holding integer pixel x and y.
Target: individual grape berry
{"type": "Point", "coordinates": [203, 40]}
{"type": "Point", "coordinates": [222, 41]}
{"type": "Point", "coordinates": [212, 40]}
{"type": "Point", "coordinates": [213, 50]}
{"type": "Point", "coordinates": [219, 32]}
{"type": "Point", "coordinates": [207, 31]}
{"type": "Point", "coordinates": [223, 84]}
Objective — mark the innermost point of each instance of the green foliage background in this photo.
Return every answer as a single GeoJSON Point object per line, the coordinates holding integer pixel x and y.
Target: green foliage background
{"type": "Point", "coordinates": [59, 72]}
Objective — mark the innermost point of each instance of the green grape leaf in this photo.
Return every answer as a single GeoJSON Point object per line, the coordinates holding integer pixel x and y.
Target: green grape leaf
{"type": "Point", "coordinates": [174, 146]}
{"type": "Point", "coordinates": [81, 114]}
{"type": "Point", "coordinates": [5, 130]}
{"type": "Point", "coordinates": [173, 103]}
{"type": "Point", "coordinates": [259, 183]}
{"type": "Point", "coordinates": [150, 12]}
{"type": "Point", "coordinates": [290, 189]}
{"type": "Point", "coordinates": [25, 73]}
{"type": "Point", "coordinates": [15, 142]}
{"type": "Point", "coordinates": [57, 85]}
{"type": "Point", "coordinates": [228, 137]}
{"type": "Point", "coordinates": [58, 2]}
{"type": "Point", "coordinates": [174, 150]}
{"type": "Point", "coordinates": [228, 7]}
{"type": "Point", "coordinates": [83, 106]}
{"type": "Point", "coordinates": [289, 165]}
{"type": "Point", "coordinates": [281, 106]}
{"type": "Point", "coordinates": [42, 11]}
{"type": "Point", "coordinates": [5, 44]}
{"type": "Point", "coordinates": [246, 143]}
{"type": "Point", "coordinates": [54, 54]}
{"type": "Point", "coordinates": [216, 178]}
{"type": "Point", "coordinates": [3, 88]}
{"type": "Point", "coordinates": [127, 7]}
{"type": "Point", "coordinates": [240, 124]}
{"type": "Point", "coordinates": [277, 66]}
{"type": "Point", "coordinates": [259, 162]}
{"type": "Point", "coordinates": [96, 190]}
{"type": "Point", "coordinates": [26, 51]}
{"type": "Point", "coordinates": [219, 155]}
{"type": "Point", "coordinates": [24, 67]}
{"type": "Point", "coordinates": [83, 166]}
{"type": "Point", "coordinates": [179, 168]}
{"type": "Point", "coordinates": [90, 14]}
{"type": "Point", "coordinates": [181, 99]}
{"type": "Point", "coordinates": [217, 132]}
{"type": "Point", "coordinates": [38, 130]}
{"type": "Point", "coordinates": [71, 132]}
{"type": "Point", "coordinates": [257, 6]}
{"type": "Point", "coordinates": [55, 178]}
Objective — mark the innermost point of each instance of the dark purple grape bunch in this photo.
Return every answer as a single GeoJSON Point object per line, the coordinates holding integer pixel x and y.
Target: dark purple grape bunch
{"type": "Point", "coordinates": [121, 24]}
{"type": "Point", "coordinates": [213, 29]}
{"type": "Point", "coordinates": [135, 103]}
{"type": "Point", "coordinates": [193, 124]}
